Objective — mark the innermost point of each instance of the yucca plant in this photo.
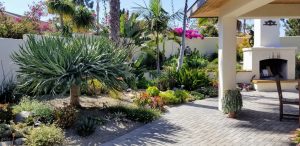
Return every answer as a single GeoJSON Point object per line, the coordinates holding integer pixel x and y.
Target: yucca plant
{"type": "Point", "coordinates": [232, 102]}
{"type": "Point", "coordinates": [54, 63]}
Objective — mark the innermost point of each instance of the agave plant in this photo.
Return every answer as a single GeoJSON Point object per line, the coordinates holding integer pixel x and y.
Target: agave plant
{"type": "Point", "coordinates": [51, 63]}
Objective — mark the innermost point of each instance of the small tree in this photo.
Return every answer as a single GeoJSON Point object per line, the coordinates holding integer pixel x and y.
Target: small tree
{"type": "Point", "coordinates": [54, 63]}
{"type": "Point", "coordinates": [292, 27]}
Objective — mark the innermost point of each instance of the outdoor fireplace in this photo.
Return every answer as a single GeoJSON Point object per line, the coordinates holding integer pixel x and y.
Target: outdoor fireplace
{"type": "Point", "coordinates": [268, 58]}
{"type": "Point", "coordinates": [270, 68]}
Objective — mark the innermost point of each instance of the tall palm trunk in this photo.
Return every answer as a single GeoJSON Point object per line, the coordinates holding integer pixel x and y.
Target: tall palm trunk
{"type": "Point", "coordinates": [157, 53]}
{"type": "Point", "coordinates": [114, 21]}
{"type": "Point", "coordinates": [75, 93]}
{"type": "Point", "coordinates": [181, 55]}
{"type": "Point", "coordinates": [97, 19]}
{"type": "Point", "coordinates": [61, 17]}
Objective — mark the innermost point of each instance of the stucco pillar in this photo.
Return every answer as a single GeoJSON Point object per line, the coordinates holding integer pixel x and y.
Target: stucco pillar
{"type": "Point", "coordinates": [227, 55]}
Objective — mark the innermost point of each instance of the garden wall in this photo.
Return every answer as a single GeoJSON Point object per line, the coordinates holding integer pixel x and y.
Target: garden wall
{"type": "Point", "coordinates": [7, 46]}
{"type": "Point", "coordinates": [207, 45]}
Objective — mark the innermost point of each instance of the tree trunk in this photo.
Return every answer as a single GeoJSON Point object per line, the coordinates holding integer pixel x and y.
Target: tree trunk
{"type": "Point", "coordinates": [181, 55]}
{"type": "Point", "coordinates": [157, 53]}
{"type": "Point", "coordinates": [75, 93]}
{"type": "Point", "coordinates": [97, 19]}
{"type": "Point", "coordinates": [114, 20]}
{"type": "Point", "coordinates": [61, 17]}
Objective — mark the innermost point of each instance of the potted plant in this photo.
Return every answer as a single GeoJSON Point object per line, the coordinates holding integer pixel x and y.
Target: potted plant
{"type": "Point", "coordinates": [232, 102]}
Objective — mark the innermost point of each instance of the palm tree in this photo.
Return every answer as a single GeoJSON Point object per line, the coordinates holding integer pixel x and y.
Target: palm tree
{"type": "Point", "coordinates": [60, 7]}
{"type": "Point", "coordinates": [53, 63]}
{"type": "Point", "coordinates": [97, 19]}
{"type": "Point", "coordinates": [87, 3]}
{"type": "Point", "coordinates": [181, 54]}
{"type": "Point", "coordinates": [114, 20]}
{"type": "Point", "coordinates": [156, 21]}
{"type": "Point", "coordinates": [83, 18]}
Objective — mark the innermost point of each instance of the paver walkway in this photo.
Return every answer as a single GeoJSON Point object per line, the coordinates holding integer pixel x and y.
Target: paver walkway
{"type": "Point", "coordinates": [200, 123]}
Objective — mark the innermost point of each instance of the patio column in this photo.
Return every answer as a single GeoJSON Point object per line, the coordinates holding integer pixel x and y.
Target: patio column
{"type": "Point", "coordinates": [227, 55]}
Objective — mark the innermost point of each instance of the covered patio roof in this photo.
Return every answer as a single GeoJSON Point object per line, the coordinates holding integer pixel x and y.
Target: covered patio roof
{"type": "Point", "coordinates": [228, 11]}
{"type": "Point", "coordinates": [214, 8]}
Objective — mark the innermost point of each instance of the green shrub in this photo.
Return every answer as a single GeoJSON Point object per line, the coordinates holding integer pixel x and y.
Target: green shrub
{"type": "Point", "coordinates": [143, 83]}
{"type": "Point", "coordinates": [232, 101]}
{"type": "Point", "coordinates": [296, 136]}
{"type": "Point", "coordinates": [182, 95]}
{"type": "Point", "coordinates": [197, 95]}
{"type": "Point", "coordinates": [193, 79]}
{"type": "Point", "coordinates": [65, 117]}
{"type": "Point", "coordinates": [5, 113]}
{"type": "Point", "coordinates": [45, 136]}
{"type": "Point", "coordinates": [41, 110]}
{"type": "Point", "coordinates": [137, 114]}
{"type": "Point", "coordinates": [8, 91]}
{"type": "Point", "coordinates": [5, 132]}
{"type": "Point", "coordinates": [167, 79]}
{"type": "Point", "coordinates": [153, 91]}
{"type": "Point", "coordinates": [86, 127]}
{"type": "Point", "coordinates": [169, 97]}
{"type": "Point", "coordinates": [209, 91]}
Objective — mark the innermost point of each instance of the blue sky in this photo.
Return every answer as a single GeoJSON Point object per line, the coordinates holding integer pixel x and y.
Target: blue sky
{"type": "Point", "coordinates": [20, 6]}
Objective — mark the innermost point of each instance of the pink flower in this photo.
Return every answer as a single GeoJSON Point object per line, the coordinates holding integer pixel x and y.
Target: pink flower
{"type": "Point", "coordinates": [190, 34]}
{"type": "Point", "coordinates": [18, 19]}
{"type": "Point", "coordinates": [94, 15]}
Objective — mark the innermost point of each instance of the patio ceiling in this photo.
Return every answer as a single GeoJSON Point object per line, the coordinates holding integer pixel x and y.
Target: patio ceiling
{"type": "Point", "coordinates": [213, 8]}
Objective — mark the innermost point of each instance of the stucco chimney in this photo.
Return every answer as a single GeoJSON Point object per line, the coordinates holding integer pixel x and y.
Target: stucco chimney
{"type": "Point", "coordinates": [267, 33]}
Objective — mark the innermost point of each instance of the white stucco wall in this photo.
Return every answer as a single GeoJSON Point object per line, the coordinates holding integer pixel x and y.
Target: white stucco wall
{"type": "Point", "coordinates": [7, 46]}
{"type": "Point", "coordinates": [208, 45]}
{"type": "Point", "coordinates": [290, 41]}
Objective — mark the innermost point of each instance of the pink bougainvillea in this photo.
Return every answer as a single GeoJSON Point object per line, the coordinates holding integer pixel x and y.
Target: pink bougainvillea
{"type": "Point", "coordinates": [37, 10]}
{"type": "Point", "coordinates": [18, 19]}
{"type": "Point", "coordinates": [190, 34]}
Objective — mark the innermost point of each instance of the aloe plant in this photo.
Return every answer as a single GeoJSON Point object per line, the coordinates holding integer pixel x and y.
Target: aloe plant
{"type": "Point", "coordinates": [232, 101]}
{"type": "Point", "coordinates": [52, 63]}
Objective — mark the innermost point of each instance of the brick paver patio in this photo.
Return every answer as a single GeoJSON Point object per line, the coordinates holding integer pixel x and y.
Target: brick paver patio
{"type": "Point", "coordinates": [200, 123]}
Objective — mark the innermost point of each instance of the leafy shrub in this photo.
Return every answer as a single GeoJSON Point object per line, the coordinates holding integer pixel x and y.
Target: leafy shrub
{"type": "Point", "coordinates": [41, 110]}
{"type": "Point", "coordinates": [244, 44]}
{"type": "Point", "coordinates": [193, 79]}
{"type": "Point", "coordinates": [10, 28]}
{"type": "Point", "coordinates": [94, 87]}
{"type": "Point", "coordinates": [5, 113]}
{"type": "Point", "coordinates": [232, 101]}
{"type": "Point", "coordinates": [195, 61]}
{"type": "Point", "coordinates": [209, 91]}
{"type": "Point", "coordinates": [45, 136]}
{"type": "Point", "coordinates": [137, 114]}
{"type": "Point", "coordinates": [175, 97]}
{"type": "Point", "coordinates": [86, 127]}
{"type": "Point", "coordinates": [145, 100]}
{"type": "Point", "coordinates": [296, 136]}
{"type": "Point", "coordinates": [167, 79]}
{"type": "Point", "coordinates": [143, 83]}
{"type": "Point", "coordinates": [65, 117]}
{"type": "Point", "coordinates": [169, 97]}
{"type": "Point", "coordinates": [183, 95]}
{"type": "Point", "coordinates": [153, 91]}
{"type": "Point", "coordinates": [7, 91]}
{"type": "Point", "coordinates": [5, 132]}
{"type": "Point", "coordinates": [197, 95]}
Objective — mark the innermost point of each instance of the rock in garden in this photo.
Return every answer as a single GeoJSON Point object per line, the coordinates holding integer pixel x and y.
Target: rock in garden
{"type": "Point", "coordinates": [6, 143]}
{"type": "Point", "coordinates": [22, 116]}
{"type": "Point", "coordinates": [20, 141]}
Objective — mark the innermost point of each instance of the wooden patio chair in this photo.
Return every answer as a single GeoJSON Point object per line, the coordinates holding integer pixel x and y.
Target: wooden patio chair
{"type": "Point", "coordinates": [285, 101]}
